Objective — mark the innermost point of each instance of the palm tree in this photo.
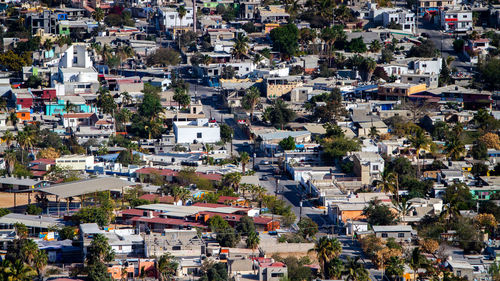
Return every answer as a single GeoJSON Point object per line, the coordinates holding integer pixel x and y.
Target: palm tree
{"type": "Point", "coordinates": [10, 159]}
{"type": "Point", "coordinates": [395, 268]}
{"type": "Point", "coordinates": [326, 249]}
{"type": "Point", "coordinates": [232, 180]}
{"type": "Point", "coordinates": [415, 261]}
{"type": "Point", "coordinates": [369, 66]}
{"type": "Point", "coordinates": [251, 100]}
{"type": "Point", "coordinates": [240, 46]}
{"type": "Point", "coordinates": [40, 262]}
{"type": "Point", "coordinates": [8, 138]}
{"type": "Point", "coordinates": [388, 183]}
{"type": "Point", "coordinates": [13, 118]}
{"type": "Point", "coordinates": [330, 35]}
{"type": "Point", "coordinates": [373, 134]}
{"type": "Point", "coordinates": [17, 271]}
{"type": "Point", "coordinates": [244, 159]}
{"type": "Point", "coordinates": [29, 251]}
{"type": "Point", "coordinates": [253, 241]}
{"type": "Point", "coordinates": [375, 46]}
{"type": "Point", "coordinates": [25, 140]}
{"type": "Point", "coordinates": [355, 271]}
{"type": "Point", "coordinates": [180, 193]}
{"type": "Point", "coordinates": [419, 141]}
{"type": "Point", "coordinates": [126, 98]}
{"type": "Point", "coordinates": [69, 107]}
{"type": "Point", "coordinates": [403, 208]}
{"type": "Point", "coordinates": [166, 267]}
{"type": "Point", "coordinates": [334, 269]}
{"type": "Point", "coordinates": [455, 148]}
{"type": "Point", "coordinates": [3, 105]}
{"type": "Point", "coordinates": [98, 15]}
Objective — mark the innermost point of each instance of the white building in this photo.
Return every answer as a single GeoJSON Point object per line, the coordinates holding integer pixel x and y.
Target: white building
{"type": "Point", "coordinates": [169, 18]}
{"type": "Point", "coordinates": [75, 67]}
{"type": "Point", "coordinates": [427, 65]}
{"type": "Point", "coordinates": [456, 20]}
{"type": "Point", "coordinates": [75, 162]}
{"type": "Point", "coordinates": [402, 17]}
{"type": "Point", "coordinates": [200, 131]}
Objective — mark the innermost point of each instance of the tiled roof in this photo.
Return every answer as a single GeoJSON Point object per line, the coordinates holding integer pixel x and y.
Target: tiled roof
{"type": "Point", "coordinates": [167, 221]}
{"type": "Point", "coordinates": [77, 115]}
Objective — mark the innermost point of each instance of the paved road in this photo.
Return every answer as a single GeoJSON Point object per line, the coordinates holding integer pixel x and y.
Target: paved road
{"type": "Point", "coordinates": [444, 43]}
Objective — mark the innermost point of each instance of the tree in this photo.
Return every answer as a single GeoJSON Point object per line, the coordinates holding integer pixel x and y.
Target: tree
{"type": "Point", "coordinates": [106, 102]}
{"type": "Point", "coordinates": [419, 141]}
{"type": "Point", "coordinates": [10, 159]}
{"type": "Point", "coordinates": [357, 45]}
{"type": "Point", "coordinates": [355, 271]}
{"type": "Point", "coordinates": [387, 55]}
{"type": "Point", "coordinates": [429, 245]}
{"type": "Point", "coordinates": [40, 262]}
{"type": "Point", "coordinates": [245, 226]}
{"type": "Point", "coordinates": [395, 268]}
{"type": "Point", "coordinates": [181, 97]}
{"type": "Point", "coordinates": [491, 140]}
{"type": "Point", "coordinates": [244, 159]}
{"type": "Point", "coordinates": [307, 227]}
{"type": "Point", "coordinates": [458, 196]}
{"type": "Point", "coordinates": [375, 46]}
{"type": "Point", "coordinates": [164, 57]}
{"type": "Point", "coordinates": [279, 114]}
{"type": "Point", "coordinates": [379, 214]}
{"type": "Point", "coordinates": [444, 75]}
{"type": "Point", "coordinates": [388, 183]}
{"type": "Point", "coordinates": [16, 271]}
{"type": "Point", "coordinates": [150, 107]}
{"type": "Point", "coordinates": [490, 73]}
{"type": "Point", "coordinates": [8, 138]}
{"type": "Point", "coordinates": [479, 151]}
{"type": "Point", "coordinates": [49, 153]}
{"type": "Point", "coordinates": [416, 260]}
{"type": "Point", "coordinates": [250, 100]}
{"type": "Point", "coordinates": [334, 269]}
{"type": "Point", "coordinates": [253, 240]}
{"type": "Point", "coordinates": [98, 15]}
{"type": "Point", "coordinates": [240, 47]}
{"type": "Point", "coordinates": [326, 249]}
{"type": "Point", "coordinates": [479, 169]}
{"type": "Point", "coordinates": [166, 267]}
{"type": "Point", "coordinates": [285, 39]}
{"type": "Point", "coordinates": [455, 148]}
{"type": "Point", "coordinates": [368, 66]}
{"type": "Point", "coordinates": [287, 143]}
{"type": "Point", "coordinates": [330, 35]}
{"type": "Point", "coordinates": [426, 49]}
{"type": "Point", "coordinates": [67, 232]}
{"type": "Point", "coordinates": [212, 271]}
{"type": "Point", "coordinates": [335, 148]}
{"type": "Point", "coordinates": [226, 235]}
{"type": "Point", "coordinates": [226, 133]}
{"type": "Point", "coordinates": [33, 82]}
{"type": "Point", "coordinates": [25, 140]}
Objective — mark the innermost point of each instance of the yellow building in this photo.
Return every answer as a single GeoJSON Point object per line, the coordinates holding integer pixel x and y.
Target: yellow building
{"type": "Point", "coordinates": [400, 89]}
{"type": "Point", "coordinates": [279, 86]}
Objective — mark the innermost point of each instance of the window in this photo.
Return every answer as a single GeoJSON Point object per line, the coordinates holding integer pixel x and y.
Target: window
{"type": "Point", "coordinates": [120, 247]}
{"type": "Point", "coordinates": [198, 135]}
{"type": "Point", "coordinates": [384, 235]}
{"type": "Point", "coordinates": [375, 167]}
{"type": "Point", "coordinates": [401, 235]}
{"type": "Point", "coordinates": [277, 274]}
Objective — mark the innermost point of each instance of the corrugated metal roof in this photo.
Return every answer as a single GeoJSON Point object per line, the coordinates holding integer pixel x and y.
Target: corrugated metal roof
{"type": "Point", "coordinates": [78, 188]}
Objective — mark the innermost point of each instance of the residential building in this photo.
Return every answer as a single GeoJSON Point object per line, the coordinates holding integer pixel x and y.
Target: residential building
{"type": "Point", "coordinates": [398, 90]}
{"type": "Point", "coordinates": [279, 86]}
{"type": "Point", "coordinates": [200, 131]}
{"type": "Point", "coordinates": [169, 18]}
{"type": "Point", "coordinates": [368, 166]}
{"type": "Point", "coordinates": [430, 80]}
{"type": "Point", "coordinates": [403, 18]}
{"type": "Point", "coordinates": [75, 162]}
{"type": "Point", "coordinates": [456, 20]}
{"type": "Point", "coordinates": [432, 7]}
{"type": "Point", "coordinates": [273, 271]}
{"type": "Point", "coordinates": [402, 233]}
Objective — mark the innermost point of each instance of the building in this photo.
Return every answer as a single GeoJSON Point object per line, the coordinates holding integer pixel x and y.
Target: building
{"type": "Point", "coordinates": [432, 7]}
{"type": "Point", "coordinates": [398, 90]}
{"type": "Point", "coordinates": [430, 80]}
{"type": "Point", "coordinates": [75, 162]}
{"type": "Point", "coordinates": [402, 233]}
{"type": "Point", "coordinates": [279, 86]}
{"type": "Point", "coordinates": [273, 271]}
{"type": "Point", "coordinates": [169, 18]}
{"type": "Point", "coordinates": [403, 18]}
{"type": "Point", "coordinates": [456, 20]}
{"type": "Point", "coordinates": [199, 131]}
{"type": "Point", "coordinates": [75, 120]}
{"type": "Point", "coordinates": [368, 166]}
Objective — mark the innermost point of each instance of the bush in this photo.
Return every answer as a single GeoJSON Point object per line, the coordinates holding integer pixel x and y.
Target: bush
{"type": "Point", "coordinates": [34, 210]}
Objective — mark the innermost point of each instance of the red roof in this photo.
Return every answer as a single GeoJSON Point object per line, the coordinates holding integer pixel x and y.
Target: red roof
{"type": "Point", "coordinates": [237, 218]}
{"type": "Point", "coordinates": [137, 212]}
{"type": "Point", "coordinates": [209, 205]}
{"type": "Point", "coordinates": [223, 199]}
{"type": "Point", "coordinates": [102, 122]}
{"type": "Point", "coordinates": [153, 197]}
{"type": "Point", "coordinates": [38, 173]}
{"type": "Point", "coordinates": [77, 115]}
{"type": "Point", "coordinates": [43, 161]}
{"type": "Point", "coordinates": [272, 264]}
{"type": "Point", "coordinates": [167, 221]}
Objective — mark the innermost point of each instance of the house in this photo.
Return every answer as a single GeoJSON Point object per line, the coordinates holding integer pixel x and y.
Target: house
{"type": "Point", "coordinates": [430, 80]}
{"type": "Point", "coordinates": [169, 18]}
{"type": "Point", "coordinates": [398, 90]}
{"type": "Point", "coordinates": [368, 166]}
{"type": "Point", "coordinates": [340, 213]}
{"type": "Point", "coordinates": [12, 183]}
{"type": "Point", "coordinates": [402, 233]}
{"type": "Point", "coordinates": [456, 20]}
{"type": "Point", "coordinates": [429, 8]}
{"type": "Point", "coordinates": [75, 162]}
{"type": "Point", "coordinates": [35, 223]}
{"type": "Point", "coordinates": [460, 268]}
{"type": "Point", "coordinates": [279, 86]}
{"type": "Point", "coordinates": [403, 18]}
{"type": "Point", "coordinates": [273, 271]}
{"type": "Point", "coordinates": [75, 120]}
{"type": "Point", "coordinates": [272, 14]}
{"type": "Point", "coordinates": [200, 131]}
{"type": "Point", "coordinates": [178, 242]}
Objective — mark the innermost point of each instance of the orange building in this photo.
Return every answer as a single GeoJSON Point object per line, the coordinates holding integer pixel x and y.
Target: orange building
{"type": "Point", "coordinates": [23, 115]}
{"type": "Point", "coordinates": [134, 269]}
{"type": "Point", "coordinates": [344, 212]}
